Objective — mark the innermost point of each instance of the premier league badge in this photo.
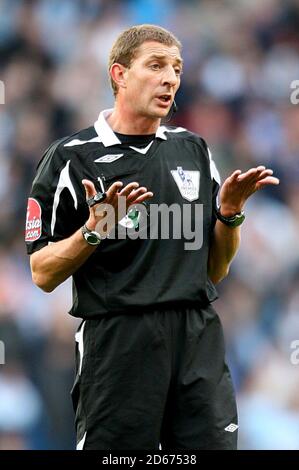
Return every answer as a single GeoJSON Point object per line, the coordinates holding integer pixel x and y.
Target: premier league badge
{"type": "Point", "coordinates": [187, 182]}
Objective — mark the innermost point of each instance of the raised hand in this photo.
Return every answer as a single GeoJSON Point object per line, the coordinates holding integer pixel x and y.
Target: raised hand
{"type": "Point", "coordinates": [238, 187]}
{"type": "Point", "coordinates": [132, 194]}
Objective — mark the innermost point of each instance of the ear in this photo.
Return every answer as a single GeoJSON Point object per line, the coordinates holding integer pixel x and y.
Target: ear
{"type": "Point", "coordinates": [119, 75]}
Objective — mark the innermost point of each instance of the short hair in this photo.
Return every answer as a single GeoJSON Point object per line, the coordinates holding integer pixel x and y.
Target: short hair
{"type": "Point", "coordinates": [126, 45]}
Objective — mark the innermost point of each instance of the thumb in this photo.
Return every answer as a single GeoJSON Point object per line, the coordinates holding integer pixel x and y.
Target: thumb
{"type": "Point", "coordinates": [90, 189]}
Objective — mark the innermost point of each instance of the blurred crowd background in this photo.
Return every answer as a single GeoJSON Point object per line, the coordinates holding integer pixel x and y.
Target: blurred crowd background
{"type": "Point", "coordinates": [240, 59]}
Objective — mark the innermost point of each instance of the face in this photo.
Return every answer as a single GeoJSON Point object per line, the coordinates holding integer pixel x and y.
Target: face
{"type": "Point", "coordinates": [153, 79]}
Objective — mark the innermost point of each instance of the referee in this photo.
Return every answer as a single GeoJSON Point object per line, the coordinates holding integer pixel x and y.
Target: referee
{"type": "Point", "coordinates": [150, 367]}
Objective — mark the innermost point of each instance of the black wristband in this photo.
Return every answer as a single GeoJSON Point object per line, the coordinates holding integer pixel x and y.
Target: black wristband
{"type": "Point", "coordinates": [233, 221]}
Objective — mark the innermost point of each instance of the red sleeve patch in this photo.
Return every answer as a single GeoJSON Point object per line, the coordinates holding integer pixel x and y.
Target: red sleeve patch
{"type": "Point", "coordinates": [33, 221]}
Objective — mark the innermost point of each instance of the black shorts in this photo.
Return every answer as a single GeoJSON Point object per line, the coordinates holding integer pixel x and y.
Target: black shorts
{"type": "Point", "coordinates": [154, 379]}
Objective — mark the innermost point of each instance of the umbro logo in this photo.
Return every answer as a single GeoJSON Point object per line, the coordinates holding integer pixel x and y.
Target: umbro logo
{"type": "Point", "coordinates": [109, 158]}
{"type": "Point", "coordinates": [231, 427]}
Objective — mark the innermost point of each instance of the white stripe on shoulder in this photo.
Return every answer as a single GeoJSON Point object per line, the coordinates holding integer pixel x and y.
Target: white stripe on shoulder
{"type": "Point", "coordinates": [162, 129]}
{"type": "Point", "coordinates": [63, 182]}
{"type": "Point", "coordinates": [213, 169]}
{"type": "Point", "coordinates": [74, 142]}
{"type": "Point", "coordinates": [81, 443]}
{"type": "Point", "coordinates": [177, 129]}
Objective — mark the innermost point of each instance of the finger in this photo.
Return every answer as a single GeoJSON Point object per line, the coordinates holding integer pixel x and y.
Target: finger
{"type": "Point", "coordinates": [142, 198]}
{"type": "Point", "coordinates": [128, 189]}
{"type": "Point", "coordinates": [261, 168]}
{"type": "Point", "coordinates": [252, 178]}
{"type": "Point", "coordinates": [252, 174]}
{"type": "Point", "coordinates": [90, 189]}
{"type": "Point", "coordinates": [114, 188]}
{"type": "Point", "coordinates": [264, 174]}
{"type": "Point", "coordinates": [136, 193]}
{"type": "Point", "coordinates": [235, 175]}
{"type": "Point", "coordinates": [267, 181]}
{"type": "Point", "coordinates": [248, 175]}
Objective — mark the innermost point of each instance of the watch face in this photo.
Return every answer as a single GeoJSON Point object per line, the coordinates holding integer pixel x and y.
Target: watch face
{"type": "Point", "coordinates": [92, 239]}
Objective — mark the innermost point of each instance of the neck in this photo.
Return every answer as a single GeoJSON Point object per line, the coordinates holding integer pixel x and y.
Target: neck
{"type": "Point", "coordinates": [125, 121]}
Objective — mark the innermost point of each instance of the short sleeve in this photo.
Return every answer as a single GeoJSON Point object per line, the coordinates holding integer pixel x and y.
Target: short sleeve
{"type": "Point", "coordinates": [52, 209]}
{"type": "Point", "coordinates": [215, 203]}
{"type": "Point", "coordinates": [216, 182]}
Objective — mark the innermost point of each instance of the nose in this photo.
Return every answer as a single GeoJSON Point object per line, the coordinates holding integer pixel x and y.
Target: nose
{"type": "Point", "coordinates": [170, 77]}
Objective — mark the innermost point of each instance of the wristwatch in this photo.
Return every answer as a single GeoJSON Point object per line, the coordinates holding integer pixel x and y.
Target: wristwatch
{"type": "Point", "coordinates": [92, 237]}
{"type": "Point", "coordinates": [233, 221]}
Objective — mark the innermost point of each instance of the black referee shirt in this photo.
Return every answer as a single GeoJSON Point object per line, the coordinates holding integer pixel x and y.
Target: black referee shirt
{"type": "Point", "coordinates": [126, 274]}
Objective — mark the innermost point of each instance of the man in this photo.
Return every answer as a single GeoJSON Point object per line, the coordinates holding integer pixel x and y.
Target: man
{"type": "Point", "coordinates": [150, 353]}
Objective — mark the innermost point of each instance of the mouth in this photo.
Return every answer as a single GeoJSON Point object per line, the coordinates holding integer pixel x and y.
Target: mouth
{"type": "Point", "coordinates": [164, 100]}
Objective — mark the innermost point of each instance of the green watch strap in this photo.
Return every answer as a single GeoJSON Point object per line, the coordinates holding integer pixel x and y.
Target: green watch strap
{"type": "Point", "coordinates": [233, 221]}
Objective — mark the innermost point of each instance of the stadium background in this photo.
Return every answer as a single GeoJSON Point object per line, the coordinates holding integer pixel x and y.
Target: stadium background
{"type": "Point", "coordinates": [240, 59]}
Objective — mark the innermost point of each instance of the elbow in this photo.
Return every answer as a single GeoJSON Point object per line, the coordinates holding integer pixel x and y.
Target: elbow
{"type": "Point", "coordinates": [218, 276]}
{"type": "Point", "coordinates": [40, 279]}
{"type": "Point", "coordinates": [42, 282]}
{"type": "Point", "coordinates": [223, 274]}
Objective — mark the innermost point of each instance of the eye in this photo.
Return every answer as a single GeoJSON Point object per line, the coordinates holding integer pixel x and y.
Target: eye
{"type": "Point", "coordinates": [155, 66]}
{"type": "Point", "coordinates": [178, 71]}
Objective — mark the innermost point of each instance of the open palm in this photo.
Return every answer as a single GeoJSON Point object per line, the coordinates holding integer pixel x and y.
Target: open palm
{"type": "Point", "coordinates": [238, 187]}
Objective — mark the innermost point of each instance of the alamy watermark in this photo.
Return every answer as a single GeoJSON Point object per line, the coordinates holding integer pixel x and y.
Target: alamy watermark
{"type": "Point", "coordinates": [294, 97]}
{"type": "Point", "coordinates": [294, 358]}
{"type": "Point", "coordinates": [2, 353]}
{"type": "Point", "coordinates": [2, 92]}
{"type": "Point", "coordinates": [153, 221]}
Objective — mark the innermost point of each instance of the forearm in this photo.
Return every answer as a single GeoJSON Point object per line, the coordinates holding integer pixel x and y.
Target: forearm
{"type": "Point", "coordinates": [235, 191]}
{"type": "Point", "coordinates": [54, 263]}
{"type": "Point", "coordinates": [224, 246]}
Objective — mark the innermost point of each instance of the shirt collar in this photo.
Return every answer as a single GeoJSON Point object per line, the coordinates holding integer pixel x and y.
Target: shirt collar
{"type": "Point", "coordinates": [107, 135]}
